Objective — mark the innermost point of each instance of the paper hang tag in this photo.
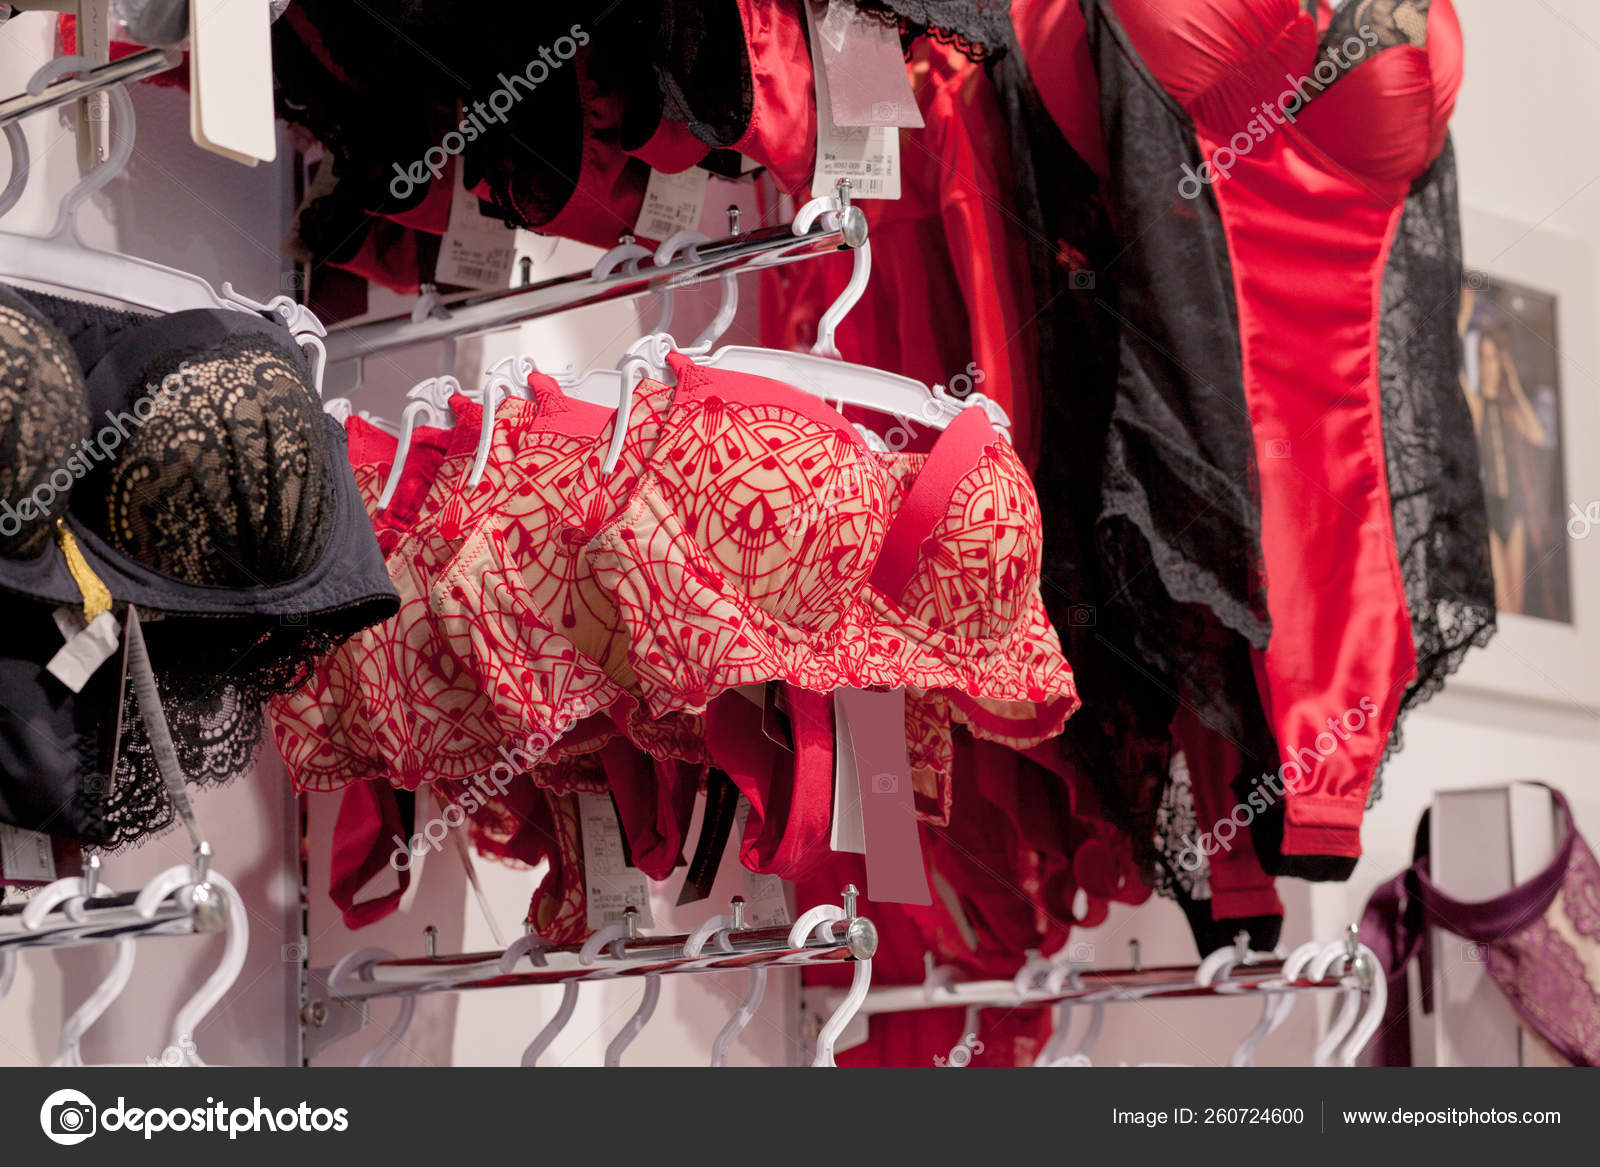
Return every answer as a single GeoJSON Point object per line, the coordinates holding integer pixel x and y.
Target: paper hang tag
{"type": "Point", "coordinates": [766, 903]}
{"type": "Point", "coordinates": [672, 203]}
{"type": "Point", "coordinates": [26, 856]}
{"type": "Point", "coordinates": [864, 67]}
{"type": "Point", "coordinates": [87, 647]}
{"type": "Point", "coordinates": [612, 885]}
{"type": "Point", "coordinates": [230, 80]}
{"type": "Point", "coordinates": [477, 251]}
{"type": "Point", "coordinates": [877, 722]}
{"type": "Point", "coordinates": [869, 156]}
{"type": "Point", "coordinates": [845, 833]}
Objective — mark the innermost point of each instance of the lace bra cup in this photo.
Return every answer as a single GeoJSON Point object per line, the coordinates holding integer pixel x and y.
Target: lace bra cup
{"type": "Point", "coordinates": [452, 706]}
{"type": "Point", "coordinates": [1228, 61]}
{"type": "Point", "coordinates": [323, 730]}
{"type": "Point", "coordinates": [215, 486]}
{"type": "Point", "coordinates": [1388, 116]}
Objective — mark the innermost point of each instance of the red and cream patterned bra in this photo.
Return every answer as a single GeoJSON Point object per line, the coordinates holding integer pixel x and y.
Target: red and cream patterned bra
{"type": "Point", "coordinates": [748, 536]}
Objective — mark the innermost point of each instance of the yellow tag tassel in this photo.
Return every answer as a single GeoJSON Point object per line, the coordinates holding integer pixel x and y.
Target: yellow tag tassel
{"type": "Point", "coordinates": [96, 596]}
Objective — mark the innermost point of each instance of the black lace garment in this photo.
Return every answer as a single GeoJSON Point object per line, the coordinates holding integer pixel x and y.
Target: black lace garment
{"type": "Point", "coordinates": [1107, 599]}
{"type": "Point", "coordinates": [210, 492]}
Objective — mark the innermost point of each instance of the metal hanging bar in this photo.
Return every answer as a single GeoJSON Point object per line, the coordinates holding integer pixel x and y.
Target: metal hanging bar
{"type": "Point", "coordinates": [642, 956]}
{"type": "Point", "coordinates": [114, 918]}
{"type": "Point", "coordinates": [134, 67]}
{"type": "Point", "coordinates": [1111, 985]}
{"type": "Point", "coordinates": [485, 312]}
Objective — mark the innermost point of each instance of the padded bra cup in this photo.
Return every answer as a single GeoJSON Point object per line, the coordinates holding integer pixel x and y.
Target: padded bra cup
{"type": "Point", "coordinates": [797, 510]}
{"type": "Point", "coordinates": [1228, 61]}
{"type": "Point", "coordinates": [201, 454]}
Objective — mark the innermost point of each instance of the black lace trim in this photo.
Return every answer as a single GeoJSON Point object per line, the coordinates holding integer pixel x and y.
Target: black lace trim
{"type": "Point", "coordinates": [1361, 29]}
{"type": "Point", "coordinates": [979, 29]}
{"type": "Point", "coordinates": [1430, 447]}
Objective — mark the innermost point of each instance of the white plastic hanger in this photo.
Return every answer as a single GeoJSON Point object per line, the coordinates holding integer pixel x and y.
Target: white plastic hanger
{"type": "Point", "coordinates": [509, 377]}
{"type": "Point", "coordinates": [1054, 1054]}
{"type": "Point", "coordinates": [613, 935]}
{"type": "Point", "coordinates": [70, 1053]}
{"type": "Point", "coordinates": [222, 978]}
{"type": "Point", "coordinates": [423, 406]}
{"type": "Point", "coordinates": [1352, 1027]}
{"type": "Point", "coordinates": [819, 372]}
{"type": "Point", "coordinates": [720, 928]}
{"type": "Point", "coordinates": [353, 966]}
{"type": "Point", "coordinates": [72, 892]}
{"type": "Point", "coordinates": [1366, 965]}
{"type": "Point", "coordinates": [534, 947]}
{"type": "Point", "coordinates": [341, 410]}
{"type": "Point", "coordinates": [1278, 1006]}
{"type": "Point", "coordinates": [17, 183]}
{"type": "Point", "coordinates": [821, 920]}
{"type": "Point", "coordinates": [61, 259]}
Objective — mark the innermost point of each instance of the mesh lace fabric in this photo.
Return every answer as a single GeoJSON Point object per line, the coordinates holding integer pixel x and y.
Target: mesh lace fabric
{"type": "Point", "coordinates": [979, 29]}
{"type": "Point", "coordinates": [1431, 449]}
{"type": "Point", "coordinates": [41, 412]}
{"type": "Point", "coordinates": [1118, 739]}
{"type": "Point", "coordinates": [1377, 24]}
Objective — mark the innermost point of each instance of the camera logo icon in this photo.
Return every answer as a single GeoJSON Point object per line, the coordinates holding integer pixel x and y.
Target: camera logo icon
{"type": "Point", "coordinates": [885, 784]}
{"type": "Point", "coordinates": [68, 1117]}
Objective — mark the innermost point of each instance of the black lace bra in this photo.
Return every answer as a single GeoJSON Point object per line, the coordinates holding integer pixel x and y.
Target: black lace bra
{"type": "Point", "coordinates": [183, 464]}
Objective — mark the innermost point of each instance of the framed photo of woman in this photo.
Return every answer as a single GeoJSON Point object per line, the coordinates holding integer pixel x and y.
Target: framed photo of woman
{"type": "Point", "coordinates": [1530, 371]}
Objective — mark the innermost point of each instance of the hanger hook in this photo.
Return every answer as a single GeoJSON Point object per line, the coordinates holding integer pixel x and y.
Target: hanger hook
{"type": "Point", "coordinates": [121, 149]}
{"type": "Point", "coordinates": [18, 142]}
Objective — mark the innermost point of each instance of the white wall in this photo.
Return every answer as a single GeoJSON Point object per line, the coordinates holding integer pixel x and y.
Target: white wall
{"type": "Point", "coordinates": [193, 210]}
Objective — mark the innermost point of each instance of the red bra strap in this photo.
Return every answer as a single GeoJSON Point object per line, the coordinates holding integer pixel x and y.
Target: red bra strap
{"type": "Point", "coordinates": [958, 450]}
{"type": "Point", "coordinates": [365, 835]}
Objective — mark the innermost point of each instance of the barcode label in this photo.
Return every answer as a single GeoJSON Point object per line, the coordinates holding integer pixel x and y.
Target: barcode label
{"type": "Point", "coordinates": [869, 156]}
{"type": "Point", "coordinates": [672, 203]}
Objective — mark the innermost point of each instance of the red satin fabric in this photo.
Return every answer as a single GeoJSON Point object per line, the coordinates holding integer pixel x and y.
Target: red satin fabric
{"type": "Point", "coordinates": [790, 794]}
{"type": "Point", "coordinates": [782, 133]}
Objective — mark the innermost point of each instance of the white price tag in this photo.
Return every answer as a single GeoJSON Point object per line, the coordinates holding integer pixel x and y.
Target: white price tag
{"type": "Point", "coordinates": [766, 905]}
{"type": "Point", "coordinates": [88, 647]}
{"type": "Point", "coordinates": [26, 856]}
{"type": "Point", "coordinates": [230, 80]}
{"type": "Point", "coordinates": [869, 156]}
{"type": "Point", "coordinates": [864, 68]}
{"type": "Point", "coordinates": [476, 251]}
{"type": "Point", "coordinates": [613, 886]}
{"type": "Point", "coordinates": [672, 203]}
